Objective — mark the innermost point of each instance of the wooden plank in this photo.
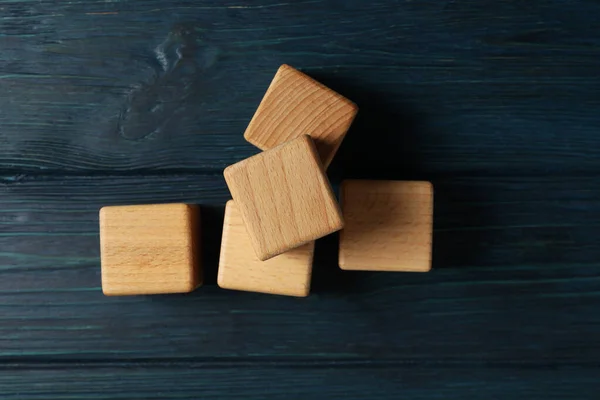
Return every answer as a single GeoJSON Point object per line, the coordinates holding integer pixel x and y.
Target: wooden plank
{"type": "Point", "coordinates": [515, 280]}
{"type": "Point", "coordinates": [443, 88]}
{"type": "Point", "coordinates": [297, 381]}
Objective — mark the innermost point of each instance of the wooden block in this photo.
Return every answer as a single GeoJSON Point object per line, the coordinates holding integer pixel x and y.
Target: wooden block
{"type": "Point", "coordinates": [388, 226]}
{"type": "Point", "coordinates": [149, 249]}
{"type": "Point", "coordinates": [284, 197]}
{"type": "Point", "coordinates": [287, 274]}
{"type": "Point", "coordinates": [296, 104]}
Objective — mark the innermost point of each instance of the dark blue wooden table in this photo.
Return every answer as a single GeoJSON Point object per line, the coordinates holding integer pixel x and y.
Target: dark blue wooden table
{"type": "Point", "coordinates": [121, 102]}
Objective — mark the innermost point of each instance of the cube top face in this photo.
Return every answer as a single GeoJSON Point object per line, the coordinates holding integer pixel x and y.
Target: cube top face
{"type": "Point", "coordinates": [287, 274]}
{"type": "Point", "coordinates": [296, 104]}
{"type": "Point", "coordinates": [284, 197]}
{"type": "Point", "coordinates": [388, 226]}
{"type": "Point", "coordinates": [149, 249]}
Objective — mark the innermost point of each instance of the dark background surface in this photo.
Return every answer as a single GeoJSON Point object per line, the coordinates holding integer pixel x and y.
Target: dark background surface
{"type": "Point", "coordinates": [121, 102]}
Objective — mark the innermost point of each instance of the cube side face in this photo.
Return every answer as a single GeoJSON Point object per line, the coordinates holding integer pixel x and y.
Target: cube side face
{"type": "Point", "coordinates": [284, 197]}
{"type": "Point", "coordinates": [148, 249]}
{"type": "Point", "coordinates": [389, 226]}
{"type": "Point", "coordinates": [195, 271]}
{"type": "Point", "coordinates": [288, 274]}
{"type": "Point", "coordinates": [296, 104]}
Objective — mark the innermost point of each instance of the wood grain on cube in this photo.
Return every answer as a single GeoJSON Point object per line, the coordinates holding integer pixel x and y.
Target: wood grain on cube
{"type": "Point", "coordinates": [239, 269]}
{"type": "Point", "coordinates": [388, 225]}
{"type": "Point", "coordinates": [284, 197]}
{"type": "Point", "coordinates": [149, 249]}
{"type": "Point", "coordinates": [296, 104]}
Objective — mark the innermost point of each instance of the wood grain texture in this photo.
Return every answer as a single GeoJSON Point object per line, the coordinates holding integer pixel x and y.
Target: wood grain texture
{"type": "Point", "coordinates": [101, 86]}
{"type": "Point", "coordinates": [294, 105]}
{"type": "Point", "coordinates": [509, 253]}
{"type": "Point", "coordinates": [239, 269]}
{"type": "Point", "coordinates": [284, 197]}
{"type": "Point", "coordinates": [144, 102]}
{"type": "Point", "coordinates": [149, 249]}
{"type": "Point", "coordinates": [285, 380]}
{"type": "Point", "coordinates": [388, 226]}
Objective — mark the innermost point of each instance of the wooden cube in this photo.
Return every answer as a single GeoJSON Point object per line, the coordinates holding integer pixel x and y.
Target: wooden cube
{"type": "Point", "coordinates": [388, 226]}
{"type": "Point", "coordinates": [149, 249]}
{"type": "Point", "coordinates": [284, 197]}
{"type": "Point", "coordinates": [239, 269]}
{"type": "Point", "coordinates": [296, 104]}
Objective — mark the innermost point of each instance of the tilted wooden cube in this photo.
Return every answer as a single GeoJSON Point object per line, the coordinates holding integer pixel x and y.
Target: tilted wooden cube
{"type": "Point", "coordinates": [388, 226]}
{"type": "Point", "coordinates": [295, 104]}
{"type": "Point", "coordinates": [149, 249]}
{"type": "Point", "coordinates": [239, 269]}
{"type": "Point", "coordinates": [284, 197]}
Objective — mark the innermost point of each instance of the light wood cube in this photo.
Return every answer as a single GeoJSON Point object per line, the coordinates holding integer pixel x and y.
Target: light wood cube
{"type": "Point", "coordinates": [296, 104]}
{"type": "Point", "coordinates": [287, 274]}
{"type": "Point", "coordinates": [284, 197]}
{"type": "Point", "coordinates": [149, 249]}
{"type": "Point", "coordinates": [388, 226]}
